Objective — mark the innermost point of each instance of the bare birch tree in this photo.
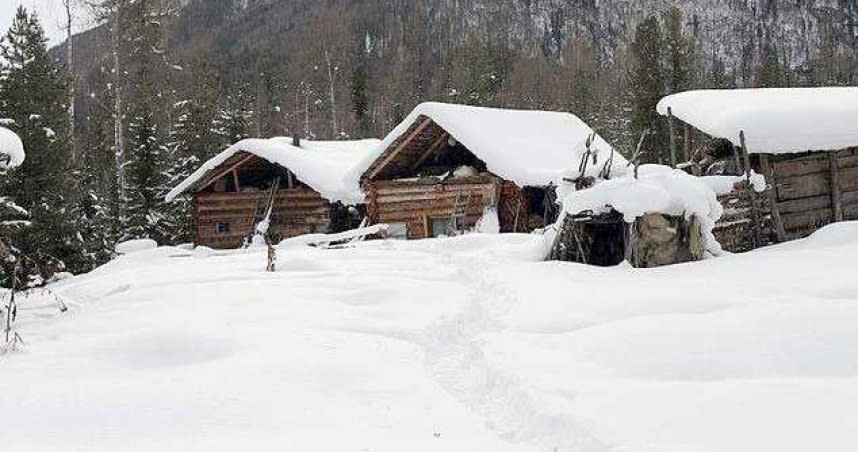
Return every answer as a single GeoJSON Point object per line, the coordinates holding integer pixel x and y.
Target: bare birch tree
{"type": "Point", "coordinates": [69, 7]}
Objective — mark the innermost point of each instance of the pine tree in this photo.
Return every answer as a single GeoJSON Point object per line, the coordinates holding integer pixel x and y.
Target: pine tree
{"type": "Point", "coordinates": [679, 52]}
{"type": "Point", "coordinates": [146, 168]}
{"type": "Point", "coordinates": [771, 73]}
{"type": "Point", "coordinates": [360, 86]}
{"type": "Point", "coordinates": [97, 209]}
{"type": "Point", "coordinates": [193, 139]}
{"type": "Point", "coordinates": [145, 173]}
{"type": "Point", "coordinates": [33, 92]}
{"type": "Point", "coordinates": [647, 84]}
{"type": "Point", "coordinates": [234, 117]}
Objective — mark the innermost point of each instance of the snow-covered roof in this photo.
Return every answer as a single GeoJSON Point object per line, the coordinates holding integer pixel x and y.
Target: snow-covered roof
{"type": "Point", "coordinates": [658, 189]}
{"type": "Point", "coordinates": [775, 120]}
{"type": "Point", "coordinates": [11, 145]}
{"type": "Point", "coordinates": [322, 165]}
{"type": "Point", "coordinates": [530, 148]}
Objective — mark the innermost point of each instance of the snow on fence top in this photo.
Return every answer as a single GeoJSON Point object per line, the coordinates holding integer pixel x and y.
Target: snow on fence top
{"type": "Point", "coordinates": [530, 148]}
{"type": "Point", "coordinates": [775, 120]}
{"type": "Point", "coordinates": [322, 165]}
{"type": "Point", "coordinates": [11, 146]}
{"type": "Point", "coordinates": [658, 189]}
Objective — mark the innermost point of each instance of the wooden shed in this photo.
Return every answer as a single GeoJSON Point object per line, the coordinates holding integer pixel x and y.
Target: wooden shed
{"type": "Point", "coordinates": [446, 167]}
{"type": "Point", "coordinates": [298, 186]}
{"type": "Point", "coordinates": [804, 141]}
{"type": "Point", "coordinates": [655, 217]}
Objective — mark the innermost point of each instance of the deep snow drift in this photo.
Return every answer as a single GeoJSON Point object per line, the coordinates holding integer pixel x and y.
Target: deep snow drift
{"type": "Point", "coordinates": [462, 344]}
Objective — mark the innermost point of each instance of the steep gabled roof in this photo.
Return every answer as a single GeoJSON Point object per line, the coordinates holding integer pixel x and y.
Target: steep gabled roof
{"type": "Point", "coordinates": [530, 148]}
{"type": "Point", "coordinates": [322, 165]}
{"type": "Point", "coordinates": [775, 120]}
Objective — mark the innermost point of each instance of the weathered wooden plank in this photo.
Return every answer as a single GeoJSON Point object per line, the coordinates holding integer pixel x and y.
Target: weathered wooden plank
{"type": "Point", "coordinates": [249, 208]}
{"type": "Point", "coordinates": [836, 197]}
{"type": "Point", "coordinates": [797, 187]}
{"type": "Point", "coordinates": [437, 144]}
{"type": "Point", "coordinates": [418, 186]}
{"type": "Point", "coordinates": [800, 165]}
{"type": "Point", "coordinates": [771, 196]}
{"type": "Point", "coordinates": [807, 221]}
{"type": "Point", "coordinates": [672, 132]}
{"type": "Point", "coordinates": [848, 179]}
{"type": "Point", "coordinates": [392, 155]}
{"type": "Point", "coordinates": [755, 213]}
{"type": "Point", "coordinates": [434, 196]}
{"type": "Point", "coordinates": [256, 195]}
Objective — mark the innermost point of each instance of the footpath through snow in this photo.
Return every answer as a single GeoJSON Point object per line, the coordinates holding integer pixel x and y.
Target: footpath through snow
{"type": "Point", "coordinates": [459, 344]}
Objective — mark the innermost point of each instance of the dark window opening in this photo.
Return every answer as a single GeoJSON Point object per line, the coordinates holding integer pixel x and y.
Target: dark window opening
{"type": "Point", "coordinates": [449, 157]}
{"type": "Point", "coordinates": [260, 177]}
{"type": "Point", "coordinates": [225, 184]}
{"type": "Point", "coordinates": [222, 227]}
{"type": "Point", "coordinates": [542, 208]}
{"type": "Point", "coordinates": [600, 241]}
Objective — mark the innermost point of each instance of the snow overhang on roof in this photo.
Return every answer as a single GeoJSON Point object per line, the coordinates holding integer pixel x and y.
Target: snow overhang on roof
{"type": "Point", "coordinates": [530, 148]}
{"type": "Point", "coordinates": [322, 165]}
{"type": "Point", "coordinates": [775, 120]}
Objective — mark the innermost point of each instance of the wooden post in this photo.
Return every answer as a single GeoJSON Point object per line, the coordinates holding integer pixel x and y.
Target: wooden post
{"type": "Point", "coordinates": [755, 212]}
{"type": "Point", "coordinates": [686, 147]}
{"type": "Point", "coordinates": [836, 194]}
{"type": "Point", "coordinates": [769, 170]}
{"type": "Point", "coordinates": [736, 159]}
{"type": "Point", "coordinates": [672, 137]}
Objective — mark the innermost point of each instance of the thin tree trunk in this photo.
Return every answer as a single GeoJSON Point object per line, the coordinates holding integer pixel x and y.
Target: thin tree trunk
{"type": "Point", "coordinates": [118, 129]}
{"type": "Point", "coordinates": [331, 79]}
{"type": "Point", "coordinates": [70, 67]}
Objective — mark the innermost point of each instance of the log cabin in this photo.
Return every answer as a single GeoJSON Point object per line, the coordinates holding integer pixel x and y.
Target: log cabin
{"type": "Point", "coordinates": [449, 169]}
{"type": "Point", "coordinates": [803, 140]}
{"type": "Point", "coordinates": [299, 183]}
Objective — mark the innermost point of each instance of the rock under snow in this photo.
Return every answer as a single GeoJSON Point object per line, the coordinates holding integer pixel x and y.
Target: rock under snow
{"type": "Point", "coordinates": [134, 246]}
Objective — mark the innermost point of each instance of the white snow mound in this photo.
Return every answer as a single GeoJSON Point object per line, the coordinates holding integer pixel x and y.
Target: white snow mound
{"type": "Point", "coordinates": [134, 246]}
{"type": "Point", "coordinates": [11, 145]}
{"type": "Point", "coordinates": [775, 120]}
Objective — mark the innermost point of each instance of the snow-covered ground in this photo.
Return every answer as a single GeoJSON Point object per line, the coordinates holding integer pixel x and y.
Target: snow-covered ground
{"type": "Point", "coordinates": [465, 344]}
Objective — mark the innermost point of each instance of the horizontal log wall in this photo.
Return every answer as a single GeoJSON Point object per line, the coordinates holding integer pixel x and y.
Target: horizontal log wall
{"type": "Point", "coordinates": [806, 191]}
{"type": "Point", "coordinates": [296, 212]}
{"type": "Point", "coordinates": [416, 203]}
{"type": "Point", "coordinates": [802, 196]}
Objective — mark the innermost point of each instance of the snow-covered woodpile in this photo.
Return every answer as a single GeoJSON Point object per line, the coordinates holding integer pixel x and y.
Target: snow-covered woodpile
{"type": "Point", "coordinates": [447, 166]}
{"type": "Point", "coordinates": [291, 188]}
{"type": "Point", "coordinates": [735, 231]}
{"type": "Point", "coordinates": [804, 141]}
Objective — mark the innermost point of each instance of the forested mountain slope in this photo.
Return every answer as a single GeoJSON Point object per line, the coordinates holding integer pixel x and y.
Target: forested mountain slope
{"type": "Point", "coordinates": [387, 55]}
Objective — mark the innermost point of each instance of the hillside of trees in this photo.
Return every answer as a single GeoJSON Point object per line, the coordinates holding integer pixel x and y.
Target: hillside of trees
{"type": "Point", "coordinates": [160, 86]}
